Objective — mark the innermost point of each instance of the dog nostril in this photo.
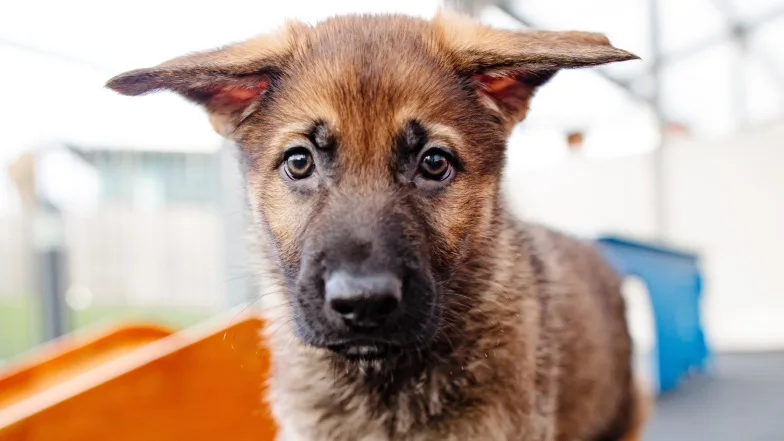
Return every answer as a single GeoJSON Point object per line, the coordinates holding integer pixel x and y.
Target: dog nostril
{"type": "Point", "coordinates": [364, 311]}
{"type": "Point", "coordinates": [385, 306]}
{"type": "Point", "coordinates": [366, 301]}
{"type": "Point", "coordinates": [343, 307]}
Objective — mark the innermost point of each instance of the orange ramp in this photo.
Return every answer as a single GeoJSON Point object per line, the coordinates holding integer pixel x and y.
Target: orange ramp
{"type": "Point", "coordinates": [143, 383]}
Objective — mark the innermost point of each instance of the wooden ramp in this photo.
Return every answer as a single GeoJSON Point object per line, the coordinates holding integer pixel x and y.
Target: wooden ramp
{"type": "Point", "coordinates": [142, 383]}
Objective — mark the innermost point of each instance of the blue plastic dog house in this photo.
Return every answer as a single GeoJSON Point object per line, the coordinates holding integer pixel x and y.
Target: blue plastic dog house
{"type": "Point", "coordinates": [674, 284]}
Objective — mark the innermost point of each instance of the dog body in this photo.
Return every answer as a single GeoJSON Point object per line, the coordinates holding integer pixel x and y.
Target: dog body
{"type": "Point", "coordinates": [542, 354]}
{"type": "Point", "coordinates": [405, 302]}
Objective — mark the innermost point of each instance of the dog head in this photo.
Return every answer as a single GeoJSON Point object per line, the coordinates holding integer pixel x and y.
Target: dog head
{"type": "Point", "coordinates": [373, 149]}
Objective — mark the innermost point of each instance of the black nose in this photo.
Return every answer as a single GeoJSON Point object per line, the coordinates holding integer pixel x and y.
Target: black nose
{"type": "Point", "coordinates": [363, 301]}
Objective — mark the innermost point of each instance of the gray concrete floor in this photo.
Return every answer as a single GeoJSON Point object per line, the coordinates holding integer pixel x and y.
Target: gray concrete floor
{"type": "Point", "coordinates": [743, 400]}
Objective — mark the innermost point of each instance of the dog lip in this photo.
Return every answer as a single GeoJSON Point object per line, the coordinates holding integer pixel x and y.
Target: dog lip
{"type": "Point", "coordinates": [359, 342]}
{"type": "Point", "coordinates": [359, 352]}
{"type": "Point", "coordinates": [364, 348]}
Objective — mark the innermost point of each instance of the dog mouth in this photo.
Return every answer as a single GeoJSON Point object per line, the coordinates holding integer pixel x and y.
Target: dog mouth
{"type": "Point", "coordinates": [363, 350]}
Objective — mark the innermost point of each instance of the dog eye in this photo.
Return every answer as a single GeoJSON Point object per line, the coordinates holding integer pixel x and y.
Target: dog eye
{"type": "Point", "coordinates": [435, 165]}
{"type": "Point", "coordinates": [299, 163]}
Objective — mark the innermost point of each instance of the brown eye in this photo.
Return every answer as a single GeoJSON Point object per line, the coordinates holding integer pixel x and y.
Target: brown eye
{"type": "Point", "coordinates": [299, 163]}
{"type": "Point", "coordinates": [435, 165]}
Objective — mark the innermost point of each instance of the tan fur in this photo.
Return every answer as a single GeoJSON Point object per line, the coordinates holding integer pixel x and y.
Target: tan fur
{"type": "Point", "coordinates": [534, 344]}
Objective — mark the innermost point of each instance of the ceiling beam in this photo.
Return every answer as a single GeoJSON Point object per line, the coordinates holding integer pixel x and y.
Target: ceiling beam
{"type": "Point", "coordinates": [53, 55]}
{"type": "Point", "coordinates": [674, 56]}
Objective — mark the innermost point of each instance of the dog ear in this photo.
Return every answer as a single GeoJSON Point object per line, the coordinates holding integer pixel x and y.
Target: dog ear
{"type": "Point", "coordinates": [229, 82]}
{"type": "Point", "coordinates": [506, 67]}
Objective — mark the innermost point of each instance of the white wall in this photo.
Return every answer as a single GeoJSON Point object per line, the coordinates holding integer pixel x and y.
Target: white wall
{"type": "Point", "coordinates": [586, 196]}
{"type": "Point", "coordinates": [725, 199]}
{"type": "Point", "coordinates": [169, 257]}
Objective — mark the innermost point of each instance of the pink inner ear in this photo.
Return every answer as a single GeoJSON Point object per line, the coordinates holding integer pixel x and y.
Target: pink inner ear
{"type": "Point", "coordinates": [234, 94]}
{"type": "Point", "coordinates": [508, 93]}
{"type": "Point", "coordinates": [493, 85]}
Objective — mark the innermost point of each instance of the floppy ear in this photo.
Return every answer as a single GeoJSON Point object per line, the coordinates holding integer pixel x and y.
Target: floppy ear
{"type": "Point", "coordinates": [229, 82]}
{"type": "Point", "coordinates": [506, 67]}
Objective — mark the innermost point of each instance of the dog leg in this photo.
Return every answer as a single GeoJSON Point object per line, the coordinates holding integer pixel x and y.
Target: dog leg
{"type": "Point", "coordinates": [643, 407]}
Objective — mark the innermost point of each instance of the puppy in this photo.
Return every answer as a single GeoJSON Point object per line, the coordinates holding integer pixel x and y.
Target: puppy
{"type": "Point", "coordinates": [408, 303]}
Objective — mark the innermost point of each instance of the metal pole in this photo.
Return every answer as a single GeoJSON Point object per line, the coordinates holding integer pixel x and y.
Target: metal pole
{"type": "Point", "coordinates": [739, 102]}
{"type": "Point", "coordinates": [52, 271]}
{"type": "Point", "coordinates": [470, 7]}
{"type": "Point", "coordinates": [659, 156]}
{"type": "Point", "coordinates": [738, 33]}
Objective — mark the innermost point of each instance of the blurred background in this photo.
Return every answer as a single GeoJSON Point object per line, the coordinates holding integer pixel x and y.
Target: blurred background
{"type": "Point", "coordinates": [131, 209]}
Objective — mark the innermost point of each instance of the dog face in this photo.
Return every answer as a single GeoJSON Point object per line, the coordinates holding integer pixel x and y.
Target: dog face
{"type": "Point", "coordinates": [373, 150]}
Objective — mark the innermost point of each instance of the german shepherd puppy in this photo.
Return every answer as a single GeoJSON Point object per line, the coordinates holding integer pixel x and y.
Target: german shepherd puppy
{"type": "Point", "coordinates": [410, 305]}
